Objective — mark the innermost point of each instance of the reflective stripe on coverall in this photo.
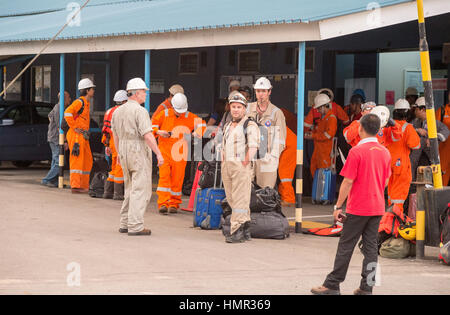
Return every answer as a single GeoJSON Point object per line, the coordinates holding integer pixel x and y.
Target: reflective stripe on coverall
{"type": "Point", "coordinates": [400, 180]}
{"type": "Point", "coordinates": [130, 124]}
{"type": "Point", "coordinates": [116, 174]}
{"type": "Point", "coordinates": [237, 178]}
{"type": "Point", "coordinates": [266, 170]}
{"type": "Point", "coordinates": [81, 165]}
{"type": "Point", "coordinates": [171, 173]}
{"type": "Point", "coordinates": [163, 106]}
{"type": "Point", "coordinates": [444, 147]}
{"type": "Point", "coordinates": [323, 142]}
{"type": "Point", "coordinates": [314, 116]}
{"type": "Point", "coordinates": [286, 170]}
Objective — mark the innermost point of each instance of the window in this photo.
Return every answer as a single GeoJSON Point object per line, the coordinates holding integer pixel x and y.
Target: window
{"type": "Point", "coordinates": [42, 114]}
{"type": "Point", "coordinates": [41, 83]}
{"type": "Point", "coordinates": [309, 59]}
{"type": "Point", "coordinates": [248, 61]}
{"type": "Point", "coordinates": [20, 115]}
{"type": "Point", "coordinates": [188, 63]}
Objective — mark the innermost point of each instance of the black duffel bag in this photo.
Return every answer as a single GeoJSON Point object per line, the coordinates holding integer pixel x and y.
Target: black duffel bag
{"type": "Point", "coordinates": [97, 185]}
{"type": "Point", "coordinates": [208, 170]}
{"type": "Point", "coordinates": [265, 200]}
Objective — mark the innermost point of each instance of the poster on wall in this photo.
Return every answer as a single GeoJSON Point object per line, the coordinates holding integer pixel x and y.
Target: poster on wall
{"type": "Point", "coordinates": [157, 86]}
{"type": "Point", "coordinates": [413, 78]}
{"type": "Point", "coordinates": [246, 80]}
{"type": "Point", "coordinates": [390, 97]}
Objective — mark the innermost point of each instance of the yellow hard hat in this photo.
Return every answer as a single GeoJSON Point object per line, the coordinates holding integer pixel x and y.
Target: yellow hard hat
{"type": "Point", "coordinates": [408, 231]}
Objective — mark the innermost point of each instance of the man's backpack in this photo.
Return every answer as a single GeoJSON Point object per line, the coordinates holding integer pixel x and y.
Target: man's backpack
{"type": "Point", "coordinates": [64, 125]}
{"type": "Point", "coordinates": [263, 138]}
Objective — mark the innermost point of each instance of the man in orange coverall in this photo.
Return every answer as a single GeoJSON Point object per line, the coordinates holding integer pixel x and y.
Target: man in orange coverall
{"type": "Point", "coordinates": [174, 89]}
{"type": "Point", "coordinates": [171, 125]}
{"type": "Point", "coordinates": [311, 120]}
{"type": "Point", "coordinates": [385, 136]}
{"type": "Point", "coordinates": [323, 134]}
{"type": "Point", "coordinates": [400, 180]}
{"type": "Point", "coordinates": [114, 187]}
{"type": "Point", "coordinates": [443, 115]}
{"type": "Point", "coordinates": [286, 169]}
{"type": "Point", "coordinates": [78, 118]}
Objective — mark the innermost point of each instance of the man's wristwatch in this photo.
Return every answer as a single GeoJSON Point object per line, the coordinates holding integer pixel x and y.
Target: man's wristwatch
{"type": "Point", "coordinates": [337, 208]}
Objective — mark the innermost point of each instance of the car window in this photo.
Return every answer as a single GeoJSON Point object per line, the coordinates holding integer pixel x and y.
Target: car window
{"type": "Point", "coordinates": [42, 114]}
{"type": "Point", "coordinates": [20, 115]}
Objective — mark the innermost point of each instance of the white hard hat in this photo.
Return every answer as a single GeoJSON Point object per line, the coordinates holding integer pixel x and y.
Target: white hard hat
{"type": "Point", "coordinates": [368, 105]}
{"type": "Point", "coordinates": [176, 88]}
{"type": "Point", "coordinates": [320, 100]}
{"type": "Point", "coordinates": [120, 96]}
{"type": "Point", "coordinates": [85, 84]}
{"type": "Point", "coordinates": [262, 84]}
{"type": "Point", "coordinates": [136, 84]}
{"type": "Point", "coordinates": [328, 91]}
{"type": "Point", "coordinates": [234, 83]}
{"type": "Point", "coordinates": [237, 98]}
{"type": "Point", "coordinates": [420, 101]}
{"type": "Point", "coordinates": [401, 104]}
{"type": "Point", "coordinates": [383, 113]}
{"type": "Point", "coordinates": [179, 103]}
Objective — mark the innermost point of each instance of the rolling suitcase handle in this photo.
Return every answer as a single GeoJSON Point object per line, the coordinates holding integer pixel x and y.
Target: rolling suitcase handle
{"type": "Point", "coordinates": [215, 173]}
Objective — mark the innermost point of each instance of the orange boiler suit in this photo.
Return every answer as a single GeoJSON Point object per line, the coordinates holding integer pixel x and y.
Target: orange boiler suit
{"type": "Point", "coordinates": [81, 165]}
{"type": "Point", "coordinates": [286, 168]}
{"type": "Point", "coordinates": [116, 174]}
{"type": "Point", "coordinates": [400, 180]}
{"type": "Point", "coordinates": [323, 142]}
{"type": "Point", "coordinates": [174, 150]}
{"type": "Point", "coordinates": [444, 147]}
{"type": "Point", "coordinates": [385, 136]}
{"type": "Point", "coordinates": [163, 106]}
{"type": "Point", "coordinates": [314, 116]}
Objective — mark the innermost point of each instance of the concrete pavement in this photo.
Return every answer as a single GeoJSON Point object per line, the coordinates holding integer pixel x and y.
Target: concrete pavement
{"type": "Point", "coordinates": [51, 241]}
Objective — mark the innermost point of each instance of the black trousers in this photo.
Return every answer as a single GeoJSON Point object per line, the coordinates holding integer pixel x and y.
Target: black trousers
{"type": "Point", "coordinates": [354, 227]}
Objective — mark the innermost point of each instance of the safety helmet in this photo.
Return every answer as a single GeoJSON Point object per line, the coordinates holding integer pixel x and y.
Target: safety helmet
{"type": "Point", "coordinates": [120, 96]}
{"type": "Point", "coordinates": [411, 91]}
{"type": "Point", "coordinates": [383, 113]}
{"type": "Point", "coordinates": [368, 105]}
{"type": "Point", "coordinates": [444, 254]}
{"type": "Point", "coordinates": [179, 103]}
{"type": "Point", "coordinates": [176, 88]}
{"type": "Point", "coordinates": [420, 101]}
{"type": "Point", "coordinates": [401, 104]}
{"type": "Point", "coordinates": [136, 84]}
{"type": "Point", "coordinates": [85, 84]}
{"type": "Point", "coordinates": [408, 231]}
{"type": "Point", "coordinates": [327, 92]}
{"type": "Point", "coordinates": [237, 98]}
{"type": "Point", "coordinates": [234, 83]}
{"type": "Point", "coordinates": [320, 100]}
{"type": "Point", "coordinates": [262, 84]}
{"type": "Point", "coordinates": [361, 93]}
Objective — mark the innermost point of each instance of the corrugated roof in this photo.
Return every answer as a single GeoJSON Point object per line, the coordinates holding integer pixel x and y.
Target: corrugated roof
{"type": "Point", "coordinates": [25, 20]}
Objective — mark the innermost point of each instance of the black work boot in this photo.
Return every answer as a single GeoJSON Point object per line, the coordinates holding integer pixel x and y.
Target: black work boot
{"type": "Point", "coordinates": [247, 234]}
{"type": "Point", "coordinates": [108, 192]}
{"type": "Point", "coordinates": [118, 191]}
{"type": "Point", "coordinates": [163, 210]}
{"type": "Point", "coordinates": [237, 236]}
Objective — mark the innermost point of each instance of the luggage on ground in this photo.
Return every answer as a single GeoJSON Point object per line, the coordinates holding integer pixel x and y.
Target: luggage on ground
{"type": "Point", "coordinates": [324, 182]}
{"type": "Point", "coordinates": [332, 230]}
{"type": "Point", "coordinates": [99, 164]}
{"type": "Point", "coordinates": [96, 187]}
{"type": "Point", "coordinates": [208, 206]}
{"type": "Point", "coordinates": [397, 248]}
{"type": "Point", "coordinates": [208, 170]}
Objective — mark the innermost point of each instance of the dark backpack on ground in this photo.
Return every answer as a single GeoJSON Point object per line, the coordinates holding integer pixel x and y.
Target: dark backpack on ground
{"type": "Point", "coordinates": [96, 187]}
{"type": "Point", "coordinates": [445, 225]}
{"type": "Point", "coordinates": [64, 125]}
{"type": "Point", "coordinates": [208, 170]}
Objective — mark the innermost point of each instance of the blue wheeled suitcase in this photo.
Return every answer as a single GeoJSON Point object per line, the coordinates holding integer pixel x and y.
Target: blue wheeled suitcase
{"type": "Point", "coordinates": [208, 207]}
{"type": "Point", "coordinates": [324, 183]}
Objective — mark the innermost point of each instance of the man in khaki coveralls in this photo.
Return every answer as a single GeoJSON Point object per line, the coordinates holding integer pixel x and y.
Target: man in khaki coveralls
{"type": "Point", "coordinates": [273, 119]}
{"type": "Point", "coordinates": [133, 137]}
{"type": "Point", "coordinates": [237, 156]}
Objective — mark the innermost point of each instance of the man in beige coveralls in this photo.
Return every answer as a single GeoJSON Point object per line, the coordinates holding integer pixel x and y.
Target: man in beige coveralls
{"type": "Point", "coordinates": [237, 157]}
{"type": "Point", "coordinates": [270, 116]}
{"type": "Point", "coordinates": [133, 137]}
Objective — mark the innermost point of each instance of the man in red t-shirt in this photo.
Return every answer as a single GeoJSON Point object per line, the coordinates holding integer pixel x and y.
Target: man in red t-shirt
{"type": "Point", "coordinates": [366, 174]}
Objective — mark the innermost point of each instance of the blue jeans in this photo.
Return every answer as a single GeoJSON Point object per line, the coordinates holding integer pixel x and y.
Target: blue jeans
{"type": "Point", "coordinates": [52, 175]}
